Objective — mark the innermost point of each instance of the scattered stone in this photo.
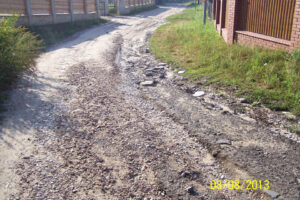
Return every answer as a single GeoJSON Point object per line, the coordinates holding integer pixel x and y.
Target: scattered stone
{"type": "Point", "coordinates": [159, 67]}
{"type": "Point", "coordinates": [215, 153]}
{"type": "Point", "coordinates": [183, 79]}
{"type": "Point", "coordinates": [26, 157]}
{"type": "Point", "coordinates": [199, 94]}
{"type": "Point", "coordinates": [273, 194]}
{"type": "Point", "coordinates": [212, 96]}
{"type": "Point", "coordinates": [162, 75]}
{"type": "Point", "coordinates": [137, 82]}
{"type": "Point", "coordinates": [162, 64]}
{"type": "Point", "coordinates": [243, 100]}
{"type": "Point", "coordinates": [147, 83]}
{"type": "Point", "coordinates": [150, 69]}
{"type": "Point", "coordinates": [224, 141]}
{"type": "Point", "coordinates": [189, 90]}
{"type": "Point", "coordinates": [289, 115]}
{"type": "Point", "coordinates": [191, 190]}
{"type": "Point", "coordinates": [147, 50]}
{"type": "Point", "coordinates": [185, 174]}
{"type": "Point", "coordinates": [225, 110]}
{"type": "Point", "coordinates": [148, 73]}
{"type": "Point", "coordinates": [74, 191]}
{"type": "Point", "coordinates": [181, 72]}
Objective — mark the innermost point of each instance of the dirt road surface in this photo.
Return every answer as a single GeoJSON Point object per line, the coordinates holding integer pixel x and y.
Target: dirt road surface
{"type": "Point", "coordinates": [88, 126]}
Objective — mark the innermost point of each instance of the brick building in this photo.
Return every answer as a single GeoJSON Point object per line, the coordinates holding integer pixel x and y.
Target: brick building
{"type": "Point", "coordinates": [266, 23]}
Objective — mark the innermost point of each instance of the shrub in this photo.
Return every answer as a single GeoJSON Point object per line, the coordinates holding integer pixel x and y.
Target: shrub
{"type": "Point", "coordinates": [18, 50]}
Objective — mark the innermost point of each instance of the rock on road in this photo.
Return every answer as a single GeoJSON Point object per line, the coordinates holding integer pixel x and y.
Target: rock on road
{"type": "Point", "coordinates": [86, 127]}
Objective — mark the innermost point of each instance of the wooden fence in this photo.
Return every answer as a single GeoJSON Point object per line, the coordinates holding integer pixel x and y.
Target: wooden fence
{"type": "Point", "coordinates": [268, 17]}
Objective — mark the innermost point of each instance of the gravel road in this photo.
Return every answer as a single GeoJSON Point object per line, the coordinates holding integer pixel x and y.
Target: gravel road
{"type": "Point", "coordinates": [102, 119]}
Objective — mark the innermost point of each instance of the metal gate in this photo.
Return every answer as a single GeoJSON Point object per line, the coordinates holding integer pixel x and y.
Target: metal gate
{"type": "Point", "coordinates": [112, 6]}
{"type": "Point", "coordinates": [102, 7]}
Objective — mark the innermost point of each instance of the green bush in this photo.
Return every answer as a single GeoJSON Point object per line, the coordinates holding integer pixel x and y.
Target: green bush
{"type": "Point", "coordinates": [18, 50]}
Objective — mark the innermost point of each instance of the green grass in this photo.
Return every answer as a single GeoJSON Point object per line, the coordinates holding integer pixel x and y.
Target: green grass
{"type": "Point", "coordinates": [54, 33]}
{"type": "Point", "coordinates": [271, 77]}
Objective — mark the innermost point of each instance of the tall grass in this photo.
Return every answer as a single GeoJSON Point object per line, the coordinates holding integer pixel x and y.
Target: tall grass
{"type": "Point", "coordinates": [271, 77]}
{"type": "Point", "coordinates": [18, 50]}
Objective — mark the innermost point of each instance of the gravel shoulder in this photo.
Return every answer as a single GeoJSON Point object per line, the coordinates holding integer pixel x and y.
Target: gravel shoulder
{"type": "Point", "coordinates": [86, 127]}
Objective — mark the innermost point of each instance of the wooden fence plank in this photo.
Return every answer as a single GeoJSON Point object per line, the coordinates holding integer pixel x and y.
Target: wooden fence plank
{"type": "Point", "coordinates": [12, 7]}
{"type": "Point", "coordinates": [40, 6]}
{"type": "Point", "coordinates": [62, 6]}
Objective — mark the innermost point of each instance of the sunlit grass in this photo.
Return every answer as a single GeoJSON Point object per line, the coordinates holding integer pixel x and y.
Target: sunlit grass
{"type": "Point", "coordinates": [271, 77]}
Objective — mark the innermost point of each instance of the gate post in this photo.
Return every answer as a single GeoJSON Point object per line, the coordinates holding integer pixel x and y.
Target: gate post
{"type": "Point", "coordinates": [98, 8]}
{"type": "Point", "coordinates": [71, 10]}
{"type": "Point", "coordinates": [121, 7]}
{"type": "Point", "coordinates": [53, 12]}
{"type": "Point", "coordinates": [232, 15]}
{"type": "Point", "coordinates": [106, 7]}
{"type": "Point", "coordinates": [28, 11]}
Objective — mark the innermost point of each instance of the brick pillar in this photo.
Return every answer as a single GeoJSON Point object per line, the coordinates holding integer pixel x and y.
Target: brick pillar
{"type": "Point", "coordinates": [232, 15]}
{"type": "Point", "coordinates": [296, 27]}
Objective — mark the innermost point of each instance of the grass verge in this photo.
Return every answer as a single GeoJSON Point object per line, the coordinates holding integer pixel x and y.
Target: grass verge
{"type": "Point", "coordinates": [271, 77]}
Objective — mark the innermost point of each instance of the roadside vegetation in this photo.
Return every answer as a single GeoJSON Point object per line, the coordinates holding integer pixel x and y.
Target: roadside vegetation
{"type": "Point", "coordinates": [20, 46]}
{"type": "Point", "coordinates": [270, 77]}
{"type": "Point", "coordinates": [18, 50]}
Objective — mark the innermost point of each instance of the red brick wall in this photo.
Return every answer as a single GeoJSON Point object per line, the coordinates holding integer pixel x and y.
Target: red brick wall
{"type": "Point", "coordinates": [254, 39]}
{"type": "Point", "coordinates": [296, 27]}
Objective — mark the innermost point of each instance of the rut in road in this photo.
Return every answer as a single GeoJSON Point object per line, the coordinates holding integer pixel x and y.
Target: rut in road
{"type": "Point", "coordinates": [95, 133]}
